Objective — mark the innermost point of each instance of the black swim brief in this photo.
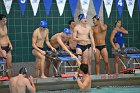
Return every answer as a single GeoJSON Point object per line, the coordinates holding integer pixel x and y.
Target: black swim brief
{"type": "Point", "coordinates": [6, 48]}
{"type": "Point", "coordinates": [83, 47]}
{"type": "Point", "coordinates": [101, 47]}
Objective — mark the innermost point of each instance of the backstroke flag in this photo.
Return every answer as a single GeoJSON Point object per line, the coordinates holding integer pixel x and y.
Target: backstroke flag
{"type": "Point", "coordinates": [7, 4]}
{"type": "Point", "coordinates": [22, 4]}
{"type": "Point", "coordinates": [120, 5]}
{"type": "Point", "coordinates": [108, 6]}
{"type": "Point", "coordinates": [47, 4]}
{"type": "Point", "coordinates": [60, 5]}
{"type": "Point", "coordinates": [139, 4]}
{"type": "Point", "coordinates": [35, 4]}
{"type": "Point", "coordinates": [97, 5]}
{"type": "Point", "coordinates": [85, 6]}
{"type": "Point", "coordinates": [130, 6]}
{"type": "Point", "coordinates": [73, 5]}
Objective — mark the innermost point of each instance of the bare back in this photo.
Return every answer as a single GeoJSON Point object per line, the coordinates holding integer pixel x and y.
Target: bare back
{"type": "Point", "coordinates": [40, 36]}
{"type": "Point", "coordinates": [83, 33]}
{"type": "Point", "coordinates": [3, 36]}
{"type": "Point", "coordinates": [54, 40]}
{"type": "Point", "coordinates": [18, 84]}
{"type": "Point", "coordinates": [99, 35]}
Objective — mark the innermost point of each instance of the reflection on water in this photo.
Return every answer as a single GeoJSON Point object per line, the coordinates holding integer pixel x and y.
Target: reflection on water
{"type": "Point", "coordinates": [119, 89]}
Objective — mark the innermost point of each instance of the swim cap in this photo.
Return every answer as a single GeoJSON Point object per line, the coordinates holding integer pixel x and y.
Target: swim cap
{"type": "Point", "coordinates": [81, 16]}
{"type": "Point", "coordinates": [67, 31]}
{"type": "Point", "coordinates": [97, 17]}
{"type": "Point", "coordinates": [43, 24]}
{"type": "Point", "coordinates": [23, 70]}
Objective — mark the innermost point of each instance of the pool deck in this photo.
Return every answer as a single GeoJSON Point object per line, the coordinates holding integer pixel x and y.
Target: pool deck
{"type": "Point", "coordinates": [58, 83]}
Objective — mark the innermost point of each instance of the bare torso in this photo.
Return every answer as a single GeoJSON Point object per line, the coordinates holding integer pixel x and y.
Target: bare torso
{"type": "Point", "coordinates": [3, 36]}
{"type": "Point", "coordinates": [54, 41]}
{"type": "Point", "coordinates": [18, 84]}
{"type": "Point", "coordinates": [84, 34]}
{"type": "Point", "coordinates": [86, 78]}
{"type": "Point", "coordinates": [99, 35]}
{"type": "Point", "coordinates": [41, 37]}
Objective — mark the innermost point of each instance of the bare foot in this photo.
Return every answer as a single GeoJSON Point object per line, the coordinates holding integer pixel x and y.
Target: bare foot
{"type": "Point", "coordinates": [43, 77]}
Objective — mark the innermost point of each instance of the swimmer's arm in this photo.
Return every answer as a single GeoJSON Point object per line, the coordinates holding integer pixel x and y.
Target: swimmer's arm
{"type": "Point", "coordinates": [9, 40]}
{"type": "Point", "coordinates": [84, 84]}
{"type": "Point", "coordinates": [34, 40]}
{"type": "Point", "coordinates": [77, 60]}
{"type": "Point", "coordinates": [62, 44]}
{"type": "Point", "coordinates": [10, 45]}
{"type": "Point", "coordinates": [66, 44]}
{"type": "Point", "coordinates": [103, 26]}
{"type": "Point", "coordinates": [30, 85]}
{"type": "Point", "coordinates": [123, 30]}
{"type": "Point", "coordinates": [75, 35]}
{"type": "Point", "coordinates": [112, 37]}
{"type": "Point", "coordinates": [47, 41]}
{"type": "Point", "coordinates": [0, 48]}
{"type": "Point", "coordinates": [92, 39]}
{"type": "Point", "coordinates": [2, 53]}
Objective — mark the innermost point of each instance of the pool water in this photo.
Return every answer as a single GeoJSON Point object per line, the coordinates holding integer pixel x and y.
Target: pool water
{"type": "Point", "coordinates": [122, 89]}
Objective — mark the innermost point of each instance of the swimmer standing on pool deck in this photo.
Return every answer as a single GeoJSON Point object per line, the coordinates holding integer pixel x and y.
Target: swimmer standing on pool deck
{"type": "Point", "coordinates": [85, 41]}
{"type": "Point", "coordinates": [117, 34]}
{"type": "Point", "coordinates": [5, 44]}
{"type": "Point", "coordinates": [99, 34]}
{"type": "Point", "coordinates": [40, 35]}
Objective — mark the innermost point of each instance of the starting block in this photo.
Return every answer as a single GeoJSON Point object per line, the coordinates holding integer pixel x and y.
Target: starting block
{"type": "Point", "coordinates": [65, 65]}
{"type": "Point", "coordinates": [133, 56]}
{"type": "Point", "coordinates": [2, 68]}
{"type": "Point", "coordinates": [131, 70]}
{"type": "Point", "coordinates": [64, 62]}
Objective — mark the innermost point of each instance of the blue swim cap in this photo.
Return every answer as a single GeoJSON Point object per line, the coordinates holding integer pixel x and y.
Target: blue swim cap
{"type": "Point", "coordinates": [43, 24]}
{"type": "Point", "coordinates": [67, 31]}
{"type": "Point", "coordinates": [81, 16]}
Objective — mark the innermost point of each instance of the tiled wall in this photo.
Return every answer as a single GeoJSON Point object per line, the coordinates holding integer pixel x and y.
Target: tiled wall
{"type": "Point", "coordinates": [21, 27]}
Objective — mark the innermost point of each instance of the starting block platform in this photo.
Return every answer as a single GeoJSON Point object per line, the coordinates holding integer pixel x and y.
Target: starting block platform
{"type": "Point", "coordinates": [65, 65]}
{"type": "Point", "coordinates": [137, 56]}
{"type": "Point", "coordinates": [133, 56]}
{"type": "Point", "coordinates": [2, 68]}
{"type": "Point", "coordinates": [64, 62]}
